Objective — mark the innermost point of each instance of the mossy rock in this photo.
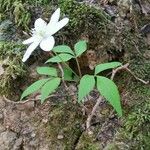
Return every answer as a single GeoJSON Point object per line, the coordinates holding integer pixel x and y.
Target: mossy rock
{"type": "Point", "coordinates": [10, 58]}
{"type": "Point", "coordinates": [135, 133]}
{"type": "Point", "coordinates": [65, 126]}
{"type": "Point", "coordinates": [86, 142]}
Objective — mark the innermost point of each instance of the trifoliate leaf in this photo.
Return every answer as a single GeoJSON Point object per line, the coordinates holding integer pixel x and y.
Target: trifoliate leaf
{"type": "Point", "coordinates": [34, 87]}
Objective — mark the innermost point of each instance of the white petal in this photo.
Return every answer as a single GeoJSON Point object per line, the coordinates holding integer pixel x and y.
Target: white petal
{"type": "Point", "coordinates": [55, 17]}
{"type": "Point", "coordinates": [29, 41]}
{"type": "Point", "coordinates": [30, 49]}
{"type": "Point", "coordinates": [47, 44]}
{"type": "Point", "coordinates": [57, 26]}
{"type": "Point", "coordinates": [39, 25]}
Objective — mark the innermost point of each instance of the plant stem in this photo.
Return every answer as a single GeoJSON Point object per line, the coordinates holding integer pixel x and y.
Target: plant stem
{"type": "Point", "coordinates": [62, 74]}
{"type": "Point", "coordinates": [66, 65]}
{"type": "Point", "coordinates": [79, 69]}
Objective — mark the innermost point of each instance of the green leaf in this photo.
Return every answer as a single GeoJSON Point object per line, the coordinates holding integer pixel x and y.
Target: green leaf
{"type": "Point", "coordinates": [63, 49]}
{"type": "Point", "coordinates": [101, 67]}
{"type": "Point", "coordinates": [109, 90]}
{"type": "Point", "coordinates": [49, 87]}
{"type": "Point", "coordinates": [68, 74]}
{"type": "Point", "coordinates": [80, 48]}
{"type": "Point", "coordinates": [60, 58]}
{"type": "Point", "coordinates": [34, 87]}
{"type": "Point", "coordinates": [86, 85]}
{"type": "Point", "coordinates": [47, 71]}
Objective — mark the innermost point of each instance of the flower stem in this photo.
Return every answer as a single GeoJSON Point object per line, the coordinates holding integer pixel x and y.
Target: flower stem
{"type": "Point", "coordinates": [67, 65]}
{"type": "Point", "coordinates": [78, 65]}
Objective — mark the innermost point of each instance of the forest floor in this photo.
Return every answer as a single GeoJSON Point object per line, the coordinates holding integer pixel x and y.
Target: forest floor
{"type": "Point", "coordinates": [59, 123]}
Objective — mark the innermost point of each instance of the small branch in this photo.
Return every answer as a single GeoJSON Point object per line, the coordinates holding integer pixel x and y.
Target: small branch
{"type": "Point", "coordinates": [125, 67]}
{"type": "Point", "coordinates": [88, 122]}
{"type": "Point", "coordinates": [118, 69]}
{"type": "Point", "coordinates": [26, 101]}
{"type": "Point", "coordinates": [33, 99]}
{"type": "Point", "coordinates": [137, 78]}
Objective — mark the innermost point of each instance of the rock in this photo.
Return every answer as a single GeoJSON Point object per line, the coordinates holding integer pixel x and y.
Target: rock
{"type": "Point", "coordinates": [1, 70]}
{"type": "Point", "coordinates": [145, 29]}
{"type": "Point", "coordinates": [60, 137]}
{"type": "Point", "coordinates": [7, 140]}
{"type": "Point", "coordinates": [2, 128]}
{"type": "Point", "coordinates": [44, 120]}
{"type": "Point", "coordinates": [1, 116]}
{"type": "Point", "coordinates": [12, 120]}
{"type": "Point", "coordinates": [18, 143]}
{"type": "Point", "coordinates": [33, 135]}
{"type": "Point", "coordinates": [26, 106]}
{"type": "Point", "coordinates": [2, 103]}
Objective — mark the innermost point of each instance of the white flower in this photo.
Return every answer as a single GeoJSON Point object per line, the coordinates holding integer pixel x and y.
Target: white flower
{"type": "Point", "coordinates": [42, 34]}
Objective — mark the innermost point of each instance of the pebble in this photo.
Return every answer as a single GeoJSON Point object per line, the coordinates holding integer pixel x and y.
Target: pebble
{"type": "Point", "coordinates": [59, 137]}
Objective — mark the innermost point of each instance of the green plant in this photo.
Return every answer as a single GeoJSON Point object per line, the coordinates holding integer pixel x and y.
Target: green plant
{"type": "Point", "coordinates": [87, 83]}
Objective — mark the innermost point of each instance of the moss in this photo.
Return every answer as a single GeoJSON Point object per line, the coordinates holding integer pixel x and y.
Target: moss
{"type": "Point", "coordinates": [85, 22]}
{"type": "Point", "coordinates": [39, 2]}
{"type": "Point", "coordinates": [17, 11]}
{"type": "Point", "coordinates": [82, 15]}
{"type": "Point", "coordinates": [87, 142]}
{"type": "Point", "coordinates": [66, 120]}
{"type": "Point", "coordinates": [10, 58]}
{"type": "Point", "coordinates": [136, 131]}
{"type": "Point", "coordinates": [7, 31]}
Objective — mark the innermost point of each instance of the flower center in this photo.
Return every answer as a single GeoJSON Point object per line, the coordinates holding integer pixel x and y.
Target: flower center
{"type": "Point", "coordinates": [41, 33]}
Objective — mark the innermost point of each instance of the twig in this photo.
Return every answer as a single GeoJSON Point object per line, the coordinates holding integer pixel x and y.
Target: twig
{"type": "Point", "coordinates": [88, 121]}
{"type": "Point", "coordinates": [137, 78]}
{"type": "Point", "coordinates": [125, 67]}
{"type": "Point", "coordinates": [32, 99]}
{"type": "Point", "coordinates": [26, 101]}
{"type": "Point", "coordinates": [118, 69]}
